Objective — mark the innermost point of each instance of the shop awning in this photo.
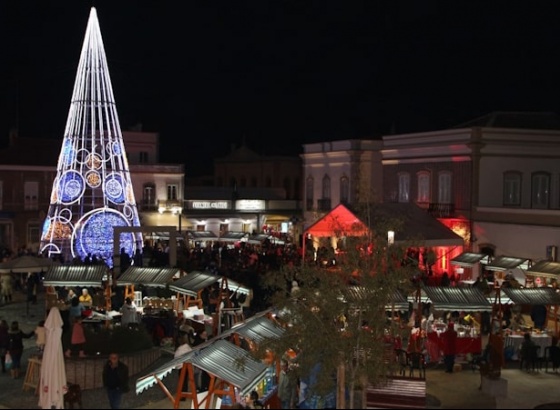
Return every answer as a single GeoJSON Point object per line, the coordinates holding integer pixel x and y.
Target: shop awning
{"type": "Point", "coordinates": [468, 299]}
{"type": "Point", "coordinates": [398, 300]}
{"type": "Point", "coordinates": [145, 382]}
{"type": "Point", "coordinates": [233, 236]}
{"type": "Point", "coordinates": [532, 296]}
{"type": "Point", "coordinates": [231, 364]}
{"type": "Point", "coordinates": [76, 275]}
{"type": "Point", "coordinates": [202, 236]}
{"type": "Point", "coordinates": [258, 239]}
{"type": "Point", "coordinates": [503, 263]}
{"type": "Point", "coordinates": [193, 282]}
{"type": "Point", "coordinates": [469, 259]}
{"type": "Point", "coordinates": [258, 329]}
{"type": "Point", "coordinates": [156, 277]}
{"type": "Point", "coordinates": [547, 269]}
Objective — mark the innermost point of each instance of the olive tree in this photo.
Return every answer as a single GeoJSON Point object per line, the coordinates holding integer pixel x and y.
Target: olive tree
{"type": "Point", "coordinates": [338, 317]}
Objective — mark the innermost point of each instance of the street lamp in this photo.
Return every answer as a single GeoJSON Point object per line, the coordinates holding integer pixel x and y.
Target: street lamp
{"type": "Point", "coordinates": [390, 237]}
{"type": "Point", "coordinates": [177, 210]}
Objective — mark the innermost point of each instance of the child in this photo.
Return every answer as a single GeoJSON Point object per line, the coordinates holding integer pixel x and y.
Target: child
{"type": "Point", "coordinates": [78, 338]}
{"type": "Point", "coordinates": [40, 335]}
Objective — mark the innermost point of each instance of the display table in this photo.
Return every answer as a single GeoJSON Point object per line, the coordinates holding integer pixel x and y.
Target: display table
{"type": "Point", "coordinates": [542, 340]}
{"type": "Point", "coordinates": [464, 346]}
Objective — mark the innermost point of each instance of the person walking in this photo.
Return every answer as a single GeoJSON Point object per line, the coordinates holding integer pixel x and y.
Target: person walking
{"type": "Point", "coordinates": [15, 346]}
{"type": "Point", "coordinates": [115, 380]}
{"type": "Point", "coordinates": [7, 289]}
{"type": "Point", "coordinates": [4, 343]}
{"type": "Point", "coordinates": [78, 339]}
{"type": "Point", "coordinates": [449, 347]}
{"type": "Point", "coordinates": [129, 318]}
{"type": "Point", "coordinates": [287, 389]}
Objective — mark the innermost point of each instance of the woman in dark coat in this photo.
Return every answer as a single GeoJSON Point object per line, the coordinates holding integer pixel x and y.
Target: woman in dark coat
{"type": "Point", "coordinates": [15, 346]}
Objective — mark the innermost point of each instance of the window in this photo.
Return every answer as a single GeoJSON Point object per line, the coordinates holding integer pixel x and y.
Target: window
{"type": "Point", "coordinates": [224, 228]}
{"type": "Point", "coordinates": [33, 233]}
{"type": "Point", "coordinates": [297, 189]}
{"type": "Point", "coordinates": [423, 187]}
{"type": "Point", "coordinates": [309, 194]}
{"type": "Point", "coordinates": [31, 195]}
{"type": "Point", "coordinates": [512, 188]}
{"type": "Point", "coordinates": [326, 187]}
{"type": "Point", "coordinates": [287, 187]}
{"type": "Point", "coordinates": [143, 157]}
{"type": "Point", "coordinates": [200, 228]}
{"type": "Point", "coordinates": [344, 190]}
{"type": "Point", "coordinates": [540, 190]}
{"type": "Point", "coordinates": [444, 187]}
{"type": "Point", "coordinates": [148, 195]}
{"type": "Point", "coordinates": [171, 192]}
{"type": "Point", "coordinates": [404, 187]}
{"type": "Point", "coordinates": [242, 182]}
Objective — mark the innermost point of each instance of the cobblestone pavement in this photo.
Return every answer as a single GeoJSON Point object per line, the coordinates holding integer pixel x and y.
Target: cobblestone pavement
{"type": "Point", "coordinates": [445, 391]}
{"type": "Point", "coordinates": [13, 396]}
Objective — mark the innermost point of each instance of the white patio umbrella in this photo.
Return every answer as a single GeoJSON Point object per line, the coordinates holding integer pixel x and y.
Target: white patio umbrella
{"type": "Point", "coordinates": [52, 385]}
{"type": "Point", "coordinates": [26, 264]}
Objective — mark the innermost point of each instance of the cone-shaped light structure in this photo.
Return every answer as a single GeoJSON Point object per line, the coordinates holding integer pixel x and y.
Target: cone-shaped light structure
{"type": "Point", "coordinates": [92, 192]}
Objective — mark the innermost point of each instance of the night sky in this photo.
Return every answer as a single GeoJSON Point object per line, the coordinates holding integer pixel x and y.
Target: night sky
{"type": "Point", "coordinates": [206, 74]}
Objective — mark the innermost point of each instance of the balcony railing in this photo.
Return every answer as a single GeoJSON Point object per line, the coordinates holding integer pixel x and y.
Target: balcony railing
{"type": "Point", "coordinates": [441, 210]}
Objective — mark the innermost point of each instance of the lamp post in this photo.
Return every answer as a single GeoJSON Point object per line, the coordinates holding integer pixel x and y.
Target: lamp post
{"type": "Point", "coordinates": [179, 212]}
{"type": "Point", "coordinates": [390, 237]}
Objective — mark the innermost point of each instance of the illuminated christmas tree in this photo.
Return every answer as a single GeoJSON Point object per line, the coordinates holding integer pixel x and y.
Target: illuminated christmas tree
{"type": "Point", "coordinates": [92, 191]}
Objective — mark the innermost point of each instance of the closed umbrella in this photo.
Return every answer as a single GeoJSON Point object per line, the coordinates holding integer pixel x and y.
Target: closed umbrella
{"type": "Point", "coordinates": [53, 372]}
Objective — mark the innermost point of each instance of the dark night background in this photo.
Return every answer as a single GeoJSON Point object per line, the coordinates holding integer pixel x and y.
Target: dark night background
{"type": "Point", "coordinates": [281, 73]}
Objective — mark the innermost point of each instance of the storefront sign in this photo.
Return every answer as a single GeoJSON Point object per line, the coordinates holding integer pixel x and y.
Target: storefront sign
{"type": "Point", "coordinates": [208, 204]}
{"type": "Point", "coordinates": [250, 205]}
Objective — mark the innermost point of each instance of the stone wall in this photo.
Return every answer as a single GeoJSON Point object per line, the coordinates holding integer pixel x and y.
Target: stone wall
{"type": "Point", "coordinates": [87, 372]}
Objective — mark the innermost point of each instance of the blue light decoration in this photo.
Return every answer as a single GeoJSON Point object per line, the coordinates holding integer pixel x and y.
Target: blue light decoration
{"type": "Point", "coordinates": [71, 187]}
{"type": "Point", "coordinates": [94, 234]}
{"type": "Point", "coordinates": [114, 188]}
{"type": "Point", "coordinates": [92, 192]}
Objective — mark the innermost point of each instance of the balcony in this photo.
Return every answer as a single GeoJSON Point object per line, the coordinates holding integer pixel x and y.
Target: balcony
{"type": "Point", "coordinates": [324, 205]}
{"type": "Point", "coordinates": [441, 210]}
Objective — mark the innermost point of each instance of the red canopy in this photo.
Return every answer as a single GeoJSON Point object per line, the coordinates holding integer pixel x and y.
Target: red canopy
{"type": "Point", "coordinates": [340, 221]}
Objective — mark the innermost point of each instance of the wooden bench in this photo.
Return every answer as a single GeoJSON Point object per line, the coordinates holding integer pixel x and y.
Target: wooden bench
{"type": "Point", "coordinates": [397, 393]}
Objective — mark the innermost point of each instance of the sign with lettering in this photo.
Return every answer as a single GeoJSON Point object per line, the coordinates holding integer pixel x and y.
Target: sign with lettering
{"type": "Point", "coordinates": [250, 205]}
{"type": "Point", "coordinates": [201, 205]}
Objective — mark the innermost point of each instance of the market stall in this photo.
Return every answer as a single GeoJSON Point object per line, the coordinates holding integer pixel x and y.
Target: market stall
{"type": "Point", "coordinates": [462, 299]}
{"type": "Point", "coordinates": [471, 261]}
{"type": "Point", "coordinates": [530, 297]}
{"type": "Point", "coordinates": [155, 313]}
{"type": "Point", "coordinates": [80, 276]}
{"type": "Point", "coordinates": [150, 277]}
{"type": "Point", "coordinates": [233, 372]}
{"type": "Point", "coordinates": [189, 290]}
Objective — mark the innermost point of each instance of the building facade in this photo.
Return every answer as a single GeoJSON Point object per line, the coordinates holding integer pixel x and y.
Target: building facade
{"type": "Point", "coordinates": [28, 170]}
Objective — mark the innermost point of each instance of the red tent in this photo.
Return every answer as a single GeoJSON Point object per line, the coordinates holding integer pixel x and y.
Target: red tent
{"type": "Point", "coordinates": [338, 222]}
